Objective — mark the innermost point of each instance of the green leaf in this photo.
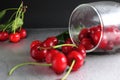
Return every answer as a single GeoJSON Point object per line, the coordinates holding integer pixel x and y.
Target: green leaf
{"type": "Point", "coordinates": [2, 14]}
{"type": "Point", "coordinates": [18, 22]}
{"type": "Point", "coordinates": [62, 37]}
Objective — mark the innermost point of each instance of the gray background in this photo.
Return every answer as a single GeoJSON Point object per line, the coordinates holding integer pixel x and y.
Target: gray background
{"type": "Point", "coordinates": [46, 13]}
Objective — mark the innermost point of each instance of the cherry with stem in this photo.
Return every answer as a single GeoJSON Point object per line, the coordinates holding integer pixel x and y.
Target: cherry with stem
{"type": "Point", "coordinates": [68, 72]}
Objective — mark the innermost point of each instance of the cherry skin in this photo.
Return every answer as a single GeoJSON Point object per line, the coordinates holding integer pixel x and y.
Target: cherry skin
{"type": "Point", "coordinates": [79, 60]}
{"type": "Point", "coordinates": [34, 43]}
{"type": "Point", "coordinates": [67, 49]}
{"type": "Point", "coordinates": [95, 28]}
{"type": "Point", "coordinates": [87, 43]}
{"type": "Point", "coordinates": [23, 33]}
{"type": "Point", "coordinates": [117, 40]}
{"type": "Point", "coordinates": [68, 41]}
{"type": "Point", "coordinates": [110, 45]}
{"type": "Point", "coordinates": [96, 37]}
{"type": "Point", "coordinates": [59, 63]}
{"type": "Point", "coordinates": [50, 41]}
{"type": "Point", "coordinates": [84, 33]}
{"type": "Point", "coordinates": [38, 54]}
{"type": "Point", "coordinates": [112, 28]}
{"type": "Point", "coordinates": [50, 55]}
{"type": "Point", "coordinates": [104, 42]}
{"type": "Point", "coordinates": [4, 36]}
{"type": "Point", "coordinates": [14, 37]}
{"type": "Point", "coordinates": [81, 49]}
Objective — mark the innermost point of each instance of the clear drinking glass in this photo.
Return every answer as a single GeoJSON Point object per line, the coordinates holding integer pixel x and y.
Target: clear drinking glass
{"type": "Point", "coordinates": [104, 15]}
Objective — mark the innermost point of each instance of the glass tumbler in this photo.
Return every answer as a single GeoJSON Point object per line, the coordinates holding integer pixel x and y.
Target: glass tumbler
{"type": "Point", "coordinates": [96, 26]}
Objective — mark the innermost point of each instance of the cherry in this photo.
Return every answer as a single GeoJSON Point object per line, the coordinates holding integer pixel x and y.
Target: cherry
{"type": "Point", "coordinates": [14, 37]}
{"type": "Point", "coordinates": [84, 33]}
{"type": "Point", "coordinates": [68, 41]}
{"type": "Point", "coordinates": [79, 60]}
{"type": "Point", "coordinates": [94, 29]}
{"type": "Point", "coordinates": [81, 49]}
{"type": "Point", "coordinates": [38, 54]}
{"type": "Point", "coordinates": [4, 36]}
{"type": "Point", "coordinates": [50, 55]}
{"type": "Point", "coordinates": [34, 43]}
{"type": "Point", "coordinates": [50, 41]}
{"type": "Point", "coordinates": [112, 28]}
{"type": "Point", "coordinates": [110, 45]}
{"type": "Point", "coordinates": [23, 33]}
{"type": "Point", "coordinates": [104, 42]}
{"type": "Point", "coordinates": [59, 63]}
{"type": "Point", "coordinates": [87, 43]}
{"type": "Point", "coordinates": [66, 49]}
{"type": "Point", "coordinates": [117, 40]}
{"type": "Point", "coordinates": [96, 37]}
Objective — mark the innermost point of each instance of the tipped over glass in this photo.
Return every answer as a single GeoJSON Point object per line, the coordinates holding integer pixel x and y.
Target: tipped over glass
{"type": "Point", "coordinates": [96, 25]}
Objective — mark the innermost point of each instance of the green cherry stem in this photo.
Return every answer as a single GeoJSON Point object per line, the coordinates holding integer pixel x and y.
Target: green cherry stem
{"type": "Point", "coordinates": [57, 46]}
{"type": "Point", "coordinates": [7, 26]}
{"type": "Point", "coordinates": [18, 11]}
{"type": "Point", "coordinates": [12, 16]}
{"type": "Point", "coordinates": [70, 69]}
{"type": "Point", "coordinates": [11, 9]}
{"type": "Point", "coordinates": [22, 18]}
{"type": "Point", "coordinates": [17, 16]}
{"type": "Point", "coordinates": [27, 63]}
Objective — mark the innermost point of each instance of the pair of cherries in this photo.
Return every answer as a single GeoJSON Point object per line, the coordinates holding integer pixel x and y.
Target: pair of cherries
{"type": "Point", "coordinates": [89, 37]}
{"type": "Point", "coordinates": [13, 37]}
{"type": "Point", "coordinates": [59, 58]}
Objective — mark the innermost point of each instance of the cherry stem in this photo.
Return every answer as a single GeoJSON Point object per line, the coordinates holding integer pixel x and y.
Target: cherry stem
{"type": "Point", "coordinates": [17, 15]}
{"type": "Point", "coordinates": [27, 63]}
{"type": "Point", "coordinates": [7, 26]}
{"type": "Point", "coordinates": [11, 9]}
{"type": "Point", "coordinates": [57, 46]}
{"type": "Point", "coordinates": [11, 17]}
{"type": "Point", "coordinates": [68, 72]}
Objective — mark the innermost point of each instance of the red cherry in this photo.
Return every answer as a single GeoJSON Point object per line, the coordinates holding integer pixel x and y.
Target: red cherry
{"type": "Point", "coordinates": [117, 40]}
{"type": "Point", "coordinates": [87, 43]}
{"type": "Point", "coordinates": [66, 49]}
{"type": "Point", "coordinates": [23, 33]}
{"type": "Point", "coordinates": [104, 42]}
{"type": "Point", "coordinates": [50, 41]}
{"type": "Point", "coordinates": [96, 37]}
{"type": "Point", "coordinates": [110, 45]}
{"type": "Point", "coordinates": [50, 55]}
{"type": "Point", "coordinates": [79, 60]}
{"type": "Point", "coordinates": [84, 33]}
{"type": "Point", "coordinates": [94, 29]}
{"type": "Point", "coordinates": [34, 43]}
{"type": "Point", "coordinates": [68, 41]}
{"type": "Point", "coordinates": [112, 28]}
{"type": "Point", "coordinates": [81, 49]}
{"type": "Point", "coordinates": [59, 63]}
{"type": "Point", "coordinates": [4, 36]}
{"type": "Point", "coordinates": [14, 37]}
{"type": "Point", "coordinates": [38, 54]}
